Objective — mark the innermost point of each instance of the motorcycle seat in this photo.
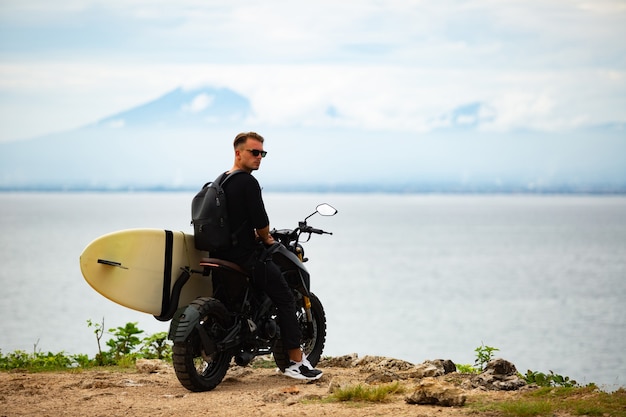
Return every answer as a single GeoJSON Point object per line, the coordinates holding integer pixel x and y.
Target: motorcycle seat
{"type": "Point", "coordinates": [221, 263]}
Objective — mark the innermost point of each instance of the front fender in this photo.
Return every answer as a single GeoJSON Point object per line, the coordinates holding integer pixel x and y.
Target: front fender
{"type": "Point", "coordinates": [289, 262]}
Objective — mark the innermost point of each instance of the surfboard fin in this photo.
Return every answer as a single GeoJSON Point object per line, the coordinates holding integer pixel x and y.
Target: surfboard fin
{"type": "Point", "coordinates": [111, 263]}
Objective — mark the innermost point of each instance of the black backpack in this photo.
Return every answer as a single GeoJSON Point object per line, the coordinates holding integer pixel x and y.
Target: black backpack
{"type": "Point", "coordinates": [209, 216]}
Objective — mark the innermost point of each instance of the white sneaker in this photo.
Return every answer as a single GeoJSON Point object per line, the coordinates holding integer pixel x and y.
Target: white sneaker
{"type": "Point", "coordinates": [303, 370]}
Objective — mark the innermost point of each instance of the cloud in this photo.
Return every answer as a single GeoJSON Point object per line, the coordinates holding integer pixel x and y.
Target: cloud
{"type": "Point", "coordinates": [369, 97]}
{"type": "Point", "coordinates": [199, 103]}
{"type": "Point", "coordinates": [395, 64]}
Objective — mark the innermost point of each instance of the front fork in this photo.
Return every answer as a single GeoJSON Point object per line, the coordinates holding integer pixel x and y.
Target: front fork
{"type": "Point", "coordinates": [307, 308]}
{"type": "Point", "coordinates": [306, 301]}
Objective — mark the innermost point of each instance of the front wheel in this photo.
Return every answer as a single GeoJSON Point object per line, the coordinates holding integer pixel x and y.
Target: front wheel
{"type": "Point", "coordinates": [200, 366]}
{"type": "Point", "coordinates": [313, 334]}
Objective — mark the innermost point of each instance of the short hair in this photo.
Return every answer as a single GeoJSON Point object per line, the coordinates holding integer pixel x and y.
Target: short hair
{"type": "Point", "coordinates": [241, 138]}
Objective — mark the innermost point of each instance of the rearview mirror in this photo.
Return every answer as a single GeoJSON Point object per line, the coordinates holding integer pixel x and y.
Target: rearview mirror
{"type": "Point", "coordinates": [326, 210]}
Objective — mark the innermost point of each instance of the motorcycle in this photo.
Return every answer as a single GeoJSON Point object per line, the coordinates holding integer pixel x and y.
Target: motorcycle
{"type": "Point", "coordinates": [239, 321]}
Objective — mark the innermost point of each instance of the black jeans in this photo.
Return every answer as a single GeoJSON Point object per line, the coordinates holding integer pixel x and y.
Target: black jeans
{"type": "Point", "coordinates": [269, 279]}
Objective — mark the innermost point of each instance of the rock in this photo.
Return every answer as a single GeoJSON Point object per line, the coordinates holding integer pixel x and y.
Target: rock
{"type": "Point", "coordinates": [431, 391]}
{"type": "Point", "coordinates": [424, 370]}
{"type": "Point", "coordinates": [377, 363]}
{"type": "Point", "coordinates": [384, 369]}
{"type": "Point", "coordinates": [499, 374]}
{"type": "Point", "coordinates": [345, 361]}
{"type": "Point", "coordinates": [501, 367]}
{"type": "Point", "coordinates": [382, 377]}
{"type": "Point", "coordinates": [447, 365]}
{"type": "Point", "coordinates": [150, 366]}
{"type": "Point", "coordinates": [427, 369]}
{"type": "Point", "coordinates": [432, 368]}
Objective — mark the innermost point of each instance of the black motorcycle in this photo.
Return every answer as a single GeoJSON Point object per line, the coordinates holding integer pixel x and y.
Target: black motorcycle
{"type": "Point", "coordinates": [239, 321]}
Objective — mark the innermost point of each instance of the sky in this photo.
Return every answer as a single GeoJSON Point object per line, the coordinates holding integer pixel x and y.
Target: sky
{"type": "Point", "coordinates": [411, 66]}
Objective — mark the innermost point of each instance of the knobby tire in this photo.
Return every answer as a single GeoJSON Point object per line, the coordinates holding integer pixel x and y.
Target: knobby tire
{"type": "Point", "coordinates": [311, 346]}
{"type": "Point", "coordinates": [196, 369]}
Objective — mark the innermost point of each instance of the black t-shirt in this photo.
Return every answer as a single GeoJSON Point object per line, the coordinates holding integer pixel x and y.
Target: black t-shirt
{"type": "Point", "coordinates": [246, 212]}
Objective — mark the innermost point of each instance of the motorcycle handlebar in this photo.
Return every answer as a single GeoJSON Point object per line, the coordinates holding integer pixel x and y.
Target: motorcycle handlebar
{"type": "Point", "coordinates": [292, 235]}
{"type": "Point", "coordinates": [309, 229]}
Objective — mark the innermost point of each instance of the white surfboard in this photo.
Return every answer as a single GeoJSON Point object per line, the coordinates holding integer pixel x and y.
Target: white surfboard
{"type": "Point", "coordinates": [139, 269]}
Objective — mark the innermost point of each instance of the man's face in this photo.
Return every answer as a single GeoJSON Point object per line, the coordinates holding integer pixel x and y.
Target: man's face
{"type": "Point", "coordinates": [247, 160]}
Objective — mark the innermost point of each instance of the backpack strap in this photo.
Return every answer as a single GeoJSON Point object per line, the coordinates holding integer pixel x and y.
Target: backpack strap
{"type": "Point", "coordinates": [221, 180]}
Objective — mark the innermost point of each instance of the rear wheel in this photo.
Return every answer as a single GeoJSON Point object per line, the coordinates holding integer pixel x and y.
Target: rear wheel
{"type": "Point", "coordinates": [313, 334]}
{"type": "Point", "coordinates": [200, 367]}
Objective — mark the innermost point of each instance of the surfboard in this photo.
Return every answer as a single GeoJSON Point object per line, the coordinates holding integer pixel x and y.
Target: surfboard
{"type": "Point", "coordinates": [142, 268]}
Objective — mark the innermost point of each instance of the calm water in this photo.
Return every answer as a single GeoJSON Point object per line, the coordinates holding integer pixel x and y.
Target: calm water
{"type": "Point", "coordinates": [416, 277]}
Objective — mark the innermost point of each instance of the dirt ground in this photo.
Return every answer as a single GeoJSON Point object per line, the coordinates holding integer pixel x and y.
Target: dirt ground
{"type": "Point", "coordinates": [243, 392]}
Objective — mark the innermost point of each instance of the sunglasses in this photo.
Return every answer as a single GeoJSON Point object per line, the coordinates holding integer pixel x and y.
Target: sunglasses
{"type": "Point", "coordinates": [256, 152]}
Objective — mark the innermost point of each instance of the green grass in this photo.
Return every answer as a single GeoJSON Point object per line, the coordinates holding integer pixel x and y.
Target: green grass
{"type": "Point", "coordinates": [366, 393]}
{"type": "Point", "coordinates": [549, 401]}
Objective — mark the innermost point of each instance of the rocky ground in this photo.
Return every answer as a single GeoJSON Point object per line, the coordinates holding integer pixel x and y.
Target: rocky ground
{"type": "Point", "coordinates": [152, 390]}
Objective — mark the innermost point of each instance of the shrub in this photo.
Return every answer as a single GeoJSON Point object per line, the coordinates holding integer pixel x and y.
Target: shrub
{"type": "Point", "coordinates": [156, 346]}
{"type": "Point", "coordinates": [125, 340]}
{"type": "Point", "coordinates": [548, 380]}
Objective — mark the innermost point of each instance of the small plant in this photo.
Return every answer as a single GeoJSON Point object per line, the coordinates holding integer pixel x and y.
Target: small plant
{"type": "Point", "coordinates": [548, 380]}
{"type": "Point", "coordinates": [82, 360]}
{"type": "Point", "coordinates": [466, 369]}
{"type": "Point", "coordinates": [101, 359]}
{"type": "Point", "coordinates": [125, 340]}
{"type": "Point", "coordinates": [484, 354]}
{"type": "Point", "coordinates": [125, 347]}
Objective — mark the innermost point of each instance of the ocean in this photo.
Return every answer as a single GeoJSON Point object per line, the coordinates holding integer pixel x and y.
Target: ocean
{"type": "Point", "coordinates": [542, 278]}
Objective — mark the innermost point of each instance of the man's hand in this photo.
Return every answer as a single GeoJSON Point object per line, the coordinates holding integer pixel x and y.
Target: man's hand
{"type": "Point", "coordinates": [265, 236]}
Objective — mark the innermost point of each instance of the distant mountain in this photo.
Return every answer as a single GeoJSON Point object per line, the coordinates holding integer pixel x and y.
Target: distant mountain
{"type": "Point", "coordinates": [148, 146]}
{"type": "Point", "coordinates": [184, 138]}
{"type": "Point", "coordinates": [184, 109]}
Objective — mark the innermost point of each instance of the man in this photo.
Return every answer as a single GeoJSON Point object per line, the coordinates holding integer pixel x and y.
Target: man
{"type": "Point", "coordinates": [248, 217]}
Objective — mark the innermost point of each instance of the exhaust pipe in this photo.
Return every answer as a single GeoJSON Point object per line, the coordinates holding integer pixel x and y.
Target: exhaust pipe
{"type": "Point", "coordinates": [244, 358]}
